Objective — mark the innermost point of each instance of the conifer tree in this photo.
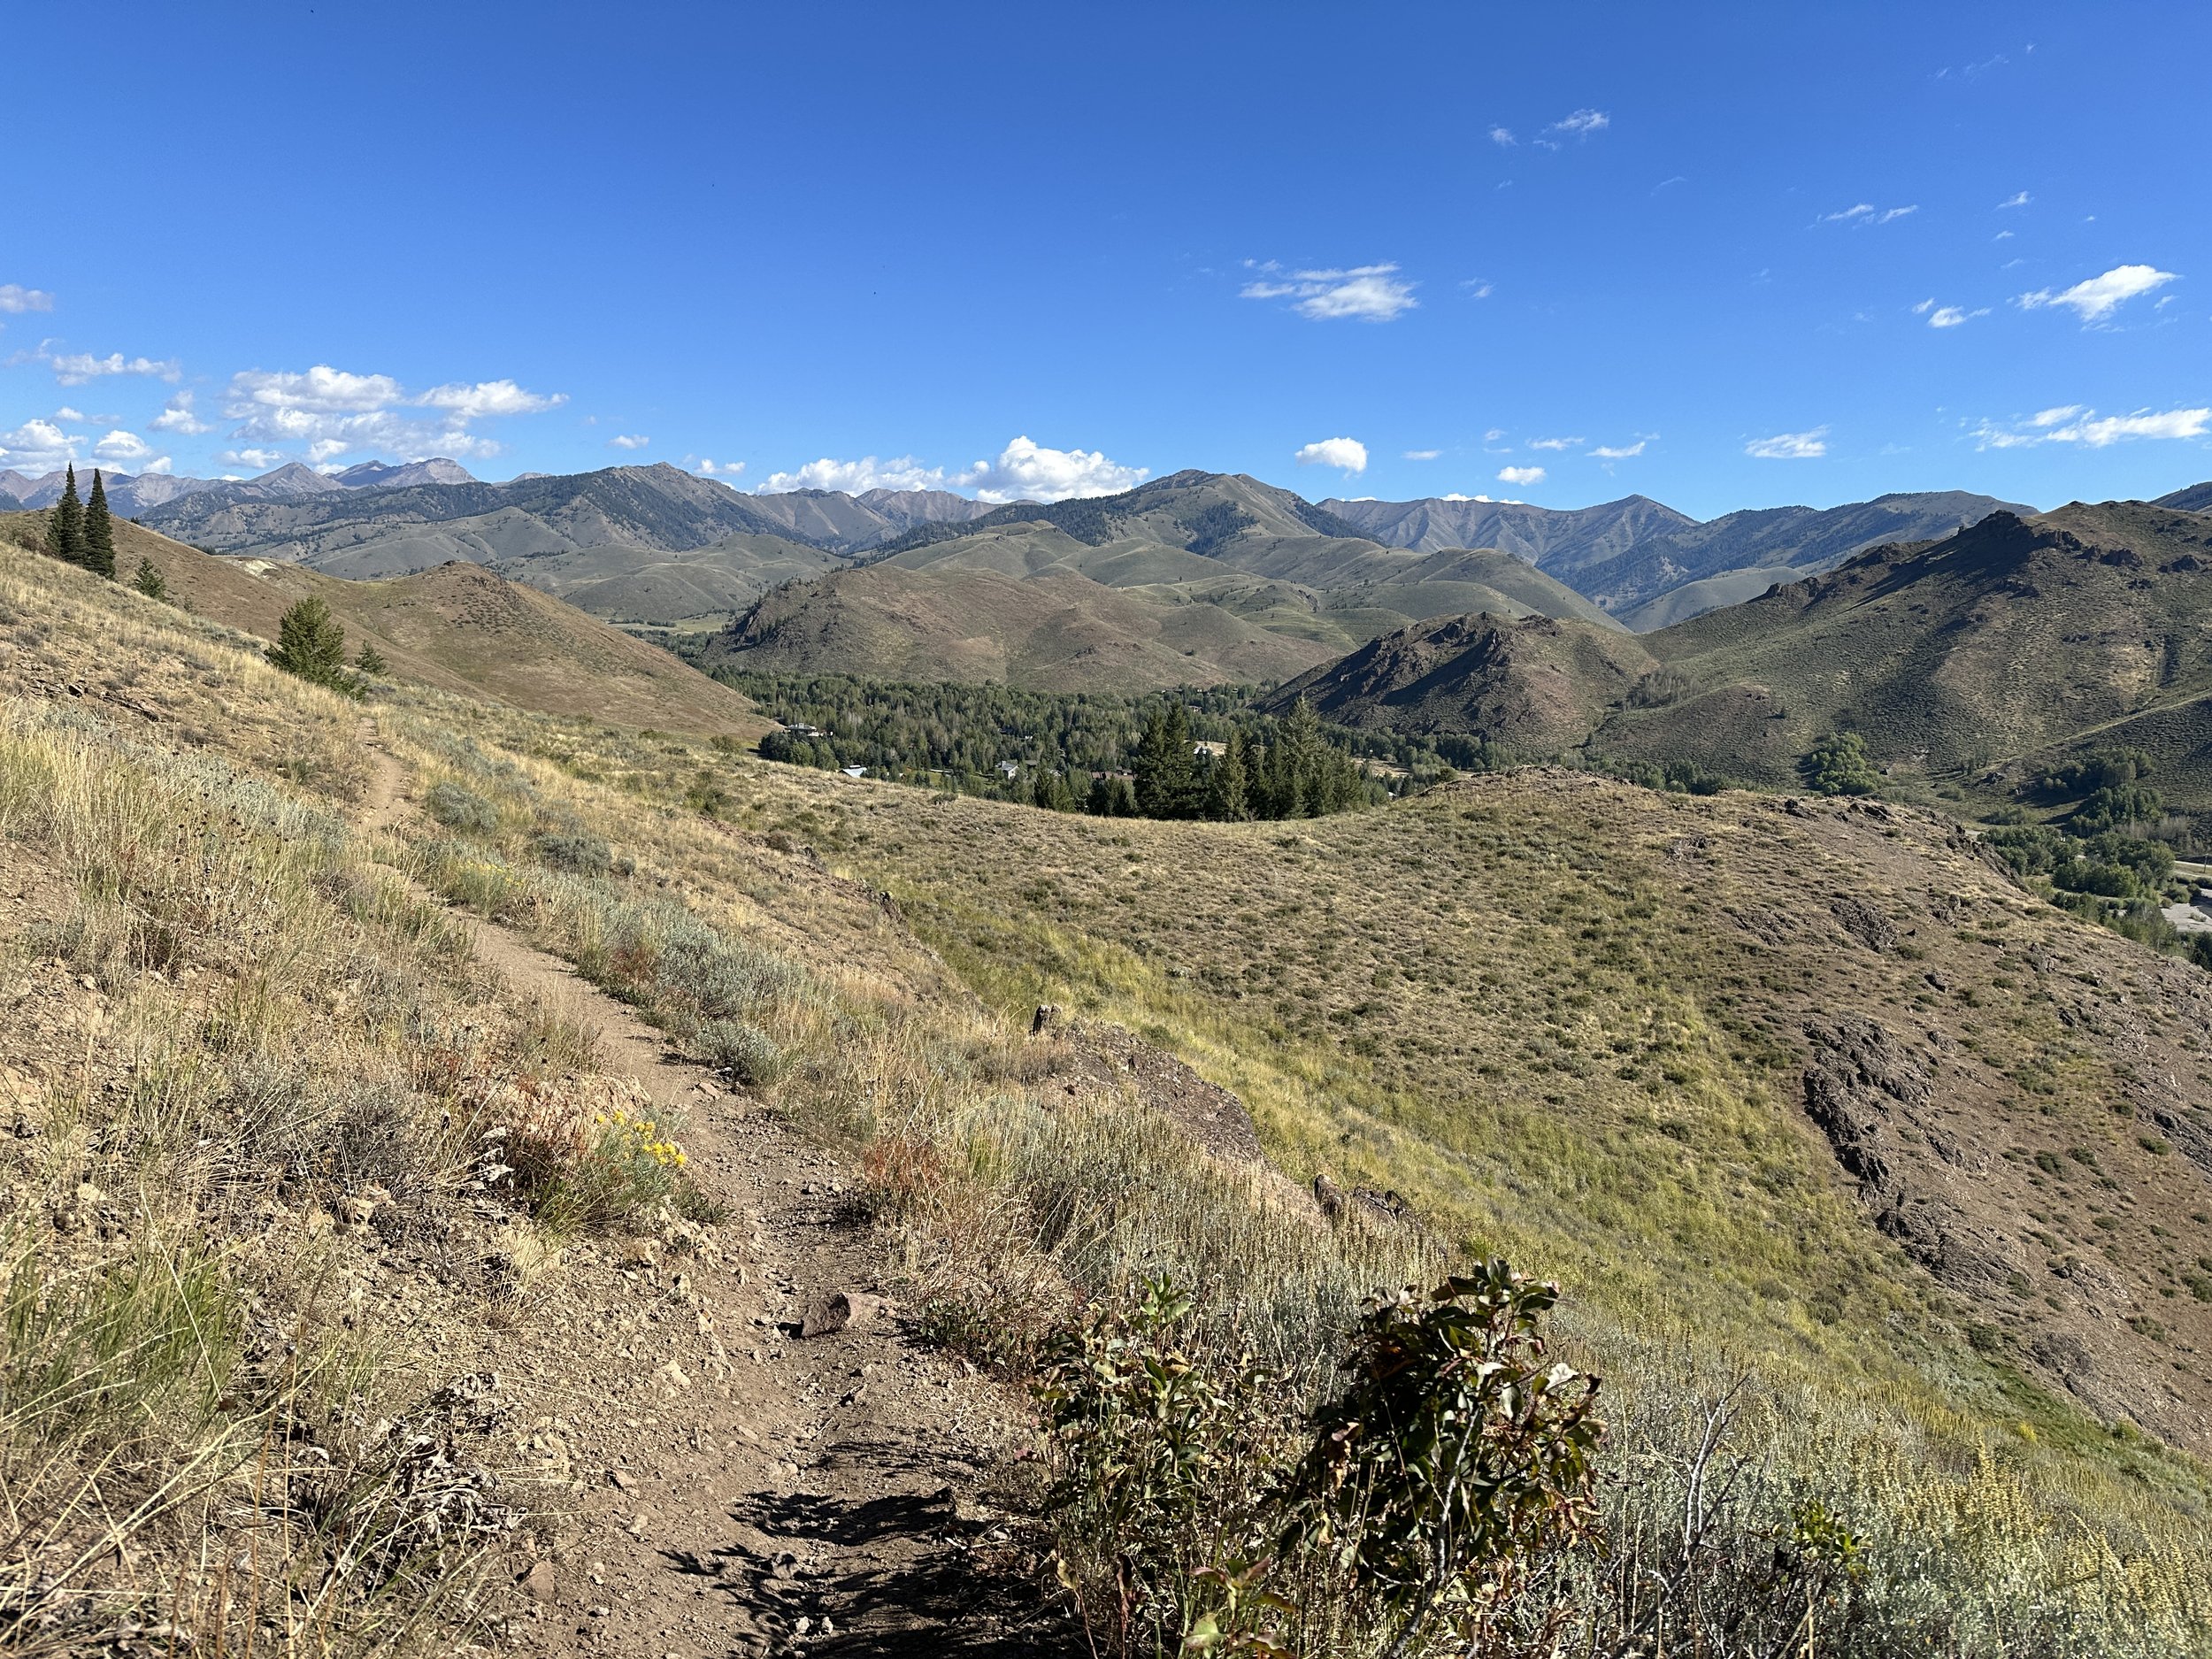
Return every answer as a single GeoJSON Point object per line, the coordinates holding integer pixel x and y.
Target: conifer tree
{"type": "Point", "coordinates": [1226, 782]}
{"type": "Point", "coordinates": [312, 644]}
{"type": "Point", "coordinates": [370, 661]}
{"type": "Point", "coordinates": [1167, 784]}
{"type": "Point", "coordinates": [150, 581]}
{"type": "Point", "coordinates": [99, 530]}
{"type": "Point", "coordinates": [65, 526]}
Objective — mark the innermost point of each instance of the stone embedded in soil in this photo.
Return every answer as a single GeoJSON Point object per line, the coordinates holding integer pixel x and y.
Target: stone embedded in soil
{"type": "Point", "coordinates": [837, 1310]}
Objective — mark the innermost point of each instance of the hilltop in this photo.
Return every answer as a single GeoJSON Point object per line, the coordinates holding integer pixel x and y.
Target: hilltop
{"type": "Point", "coordinates": [2001, 647]}
{"type": "Point", "coordinates": [1056, 630]}
{"type": "Point", "coordinates": [1545, 682]}
{"type": "Point", "coordinates": [458, 627]}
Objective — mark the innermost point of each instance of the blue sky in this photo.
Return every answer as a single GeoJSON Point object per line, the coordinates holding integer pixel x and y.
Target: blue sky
{"type": "Point", "coordinates": [1759, 254]}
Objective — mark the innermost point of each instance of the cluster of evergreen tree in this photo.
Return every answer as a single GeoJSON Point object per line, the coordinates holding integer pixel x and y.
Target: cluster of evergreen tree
{"type": "Point", "coordinates": [82, 532]}
{"type": "Point", "coordinates": [1107, 755]}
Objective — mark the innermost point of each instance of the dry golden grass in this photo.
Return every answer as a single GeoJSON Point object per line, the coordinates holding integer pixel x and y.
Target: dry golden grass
{"type": "Point", "coordinates": [1630, 1135]}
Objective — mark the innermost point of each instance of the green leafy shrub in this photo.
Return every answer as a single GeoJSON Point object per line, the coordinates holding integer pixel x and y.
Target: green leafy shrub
{"type": "Point", "coordinates": [1455, 1456]}
{"type": "Point", "coordinates": [1841, 765]}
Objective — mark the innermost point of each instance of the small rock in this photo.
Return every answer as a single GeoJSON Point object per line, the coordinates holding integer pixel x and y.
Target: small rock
{"type": "Point", "coordinates": [1328, 1195]}
{"type": "Point", "coordinates": [622, 1482]}
{"type": "Point", "coordinates": [838, 1310]}
{"type": "Point", "coordinates": [539, 1584]}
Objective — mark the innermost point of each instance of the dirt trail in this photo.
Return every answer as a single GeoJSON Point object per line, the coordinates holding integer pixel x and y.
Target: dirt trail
{"type": "Point", "coordinates": [733, 1489]}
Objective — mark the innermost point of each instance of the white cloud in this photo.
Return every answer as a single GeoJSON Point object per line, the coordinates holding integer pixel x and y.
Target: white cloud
{"type": "Point", "coordinates": [1582, 123]}
{"type": "Point", "coordinates": [1790, 446]}
{"type": "Point", "coordinates": [1023, 471]}
{"type": "Point", "coordinates": [127, 448]}
{"type": "Point", "coordinates": [1347, 454]}
{"type": "Point", "coordinates": [1553, 443]}
{"type": "Point", "coordinates": [1476, 288]}
{"type": "Point", "coordinates": [1520, 476]}
{"type": "Point", "coordinates": [15, 297]}
{"type": "Point", "coordinates": [2071, 423]}
{"type": "Point", "coordinates": [66, 414]}
{"type": "Point", "coordinates": [321, 390]}
{"type": "Point", "coordinates": [1455, 495]}
{"type": "Point", "coordinates": [852, 476]}
{"type": "Point", "coordinates": [1867, 213]}
{"type": "Point", "coordinates": [260, 460]}
{"type": "Point", "coordinates": [1422, 454]}
{"type": "Point", "coordinates": [37, 447]}
{"type": "Point", "coordinates": [178, 418]}
{"type": "Point", "coordinates": [80, 367]}
{"type": "Point", "coordinates": [324, 450]}
{"type": "Point", "coordinates": [1502, 137]}
{"type": "Point", "coordinates": [1494, 435]}
{"type": "Point", "coordinates": [1370, 293]}
{"type": "Point", "coordinates": [331, 412]}
{"type": "Point", "coordinates": [720, 468]}
{"type": "Point", "coordinates": [1626, 452]}
{"type": "Point", "coordinates": [1952, 316]}
{"type": "Point", "coordinates": [2020, 200]}
{"type": "Point", "coordinates": [486, 399]}
{"type": "Point", "coordinates": [628, 440]}
{"type": "Point", "coordinates": [2099, 296]}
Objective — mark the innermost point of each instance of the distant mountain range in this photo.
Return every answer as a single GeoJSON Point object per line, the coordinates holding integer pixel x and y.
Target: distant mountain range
{"type": "Point", "coordinates": [1635, 559]}
{"type": "Point", "coordinates": [132, 496]}
{"type": "Point", "coordinates": [1999, 648]}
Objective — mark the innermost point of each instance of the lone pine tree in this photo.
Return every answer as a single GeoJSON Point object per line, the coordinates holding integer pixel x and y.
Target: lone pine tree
{"type": "Point", "coordinates": [65, 526]}
{"type": "Point", "coordinates": [312, 644]}
{"type": "Point", "coordinates": [99, 530]}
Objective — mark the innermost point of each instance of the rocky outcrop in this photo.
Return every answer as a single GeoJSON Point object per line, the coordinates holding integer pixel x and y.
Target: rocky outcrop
{"type": "Point", "coordinates": [1871, 1098]}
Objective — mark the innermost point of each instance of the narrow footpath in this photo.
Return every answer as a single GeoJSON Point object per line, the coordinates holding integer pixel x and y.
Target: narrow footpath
{"type": "Point", "coordinates": [724, 1485]}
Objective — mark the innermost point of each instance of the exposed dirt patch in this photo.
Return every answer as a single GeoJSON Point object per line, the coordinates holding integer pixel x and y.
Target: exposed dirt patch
{"type": "Point", "coordinates": [731, 1487]}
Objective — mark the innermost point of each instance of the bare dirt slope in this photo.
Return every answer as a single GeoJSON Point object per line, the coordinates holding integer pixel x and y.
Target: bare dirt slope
{"type": "Point", "coordinates": [736, 1486]}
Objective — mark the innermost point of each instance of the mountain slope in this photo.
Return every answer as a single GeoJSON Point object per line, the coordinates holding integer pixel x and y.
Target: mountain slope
{"type": "Point", "coordinates": [387, 532]}
{"type": "Point", "coordinates": [2195, 498]}
{"type": "Point", "coordinates": [853, 524]}
{"type": "Point", "coordinates": [1054, 632]}
{"type": "Point", "coordinates": [1804, 538]}
{"type": "Point", "coordinates": [2000, 645]}
{"type": "Point", "coordinates": [128, 496]}
{"type": "Point", "coordinates": [1535, 685]}
{"type": "Point", "coordinates": [1557, 541]}
{"type": "Point", "coordinates": [1999, 642]}
{"type": "Point", "coordinates": [459, 628]}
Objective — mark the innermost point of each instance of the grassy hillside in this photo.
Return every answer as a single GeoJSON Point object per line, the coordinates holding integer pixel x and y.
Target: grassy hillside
{"type": "Point", "coordinates": [1545, 681]}
{"type": "Point", "coordinates": [1814, 1099]}
{"type": "Point", "coordinates": [1056, 632]}
{"type": "Point", "coordinates": [459, 628]}
{"type": "Point", "coordinates": [2006, 641]}
{"type": "Point", "coordinates": [1967, 663]}
{"type": "Point", "coordinates": [649, 586]}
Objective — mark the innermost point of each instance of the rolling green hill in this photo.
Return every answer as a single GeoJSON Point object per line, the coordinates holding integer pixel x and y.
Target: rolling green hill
{"type": "Point", "coordinates": [2002, 648]}
{"type": "Point", "coordinates": [1057, 631]}
{"type": "Point", "coordinates": [1545, 682]}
